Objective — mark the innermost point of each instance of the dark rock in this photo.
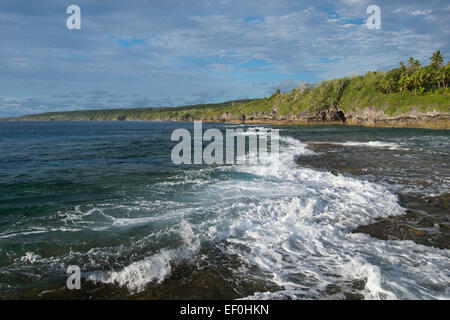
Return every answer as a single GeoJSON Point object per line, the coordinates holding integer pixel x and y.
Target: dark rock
{"type": "Point", "coordinates": [332, 114]}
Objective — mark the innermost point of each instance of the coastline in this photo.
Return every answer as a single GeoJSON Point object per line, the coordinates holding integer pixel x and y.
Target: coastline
{"type": "Point", "coordinates": [416, 124]}
{"type": "Point", "coordinates": [116, 161]}
{"type": "Point", "coordinates": [423, 211]}
{"type": "Point", "coordinates": [438, 125]}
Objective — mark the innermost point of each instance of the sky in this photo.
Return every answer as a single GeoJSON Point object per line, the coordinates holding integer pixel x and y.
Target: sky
{"type": "Point", "coordinates": [162, 53]}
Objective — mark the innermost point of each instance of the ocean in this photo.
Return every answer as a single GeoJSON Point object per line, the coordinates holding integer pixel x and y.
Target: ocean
{"type": "Point", "coordinates": [344, 212]}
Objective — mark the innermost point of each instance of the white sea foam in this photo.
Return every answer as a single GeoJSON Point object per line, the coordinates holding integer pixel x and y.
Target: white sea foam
{"type": "Point", "coordinates": [21, 233]}
{"type": "Point", "coordinates": [294, 225]}
{"type": "Point", "coordinates": [30, 257]}
{"type": "Point", "coordinates": [370, 144]}
{"type": "Point", "coordinates": [153, 269]}
{"type": "Point", "coordinates": [298, 233]}
{"type": "Point", "coordinates": [144, 220]}
{"type": "Point", "coordinates": [138, 274]}
{"type": "Point", "coordinates": [35, 231]}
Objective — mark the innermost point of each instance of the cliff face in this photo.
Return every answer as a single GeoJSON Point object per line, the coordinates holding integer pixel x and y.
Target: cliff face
{"type": "Point", "coordinates": [334, 115]}
{"type": "Point", "coordinates": [411, 118]}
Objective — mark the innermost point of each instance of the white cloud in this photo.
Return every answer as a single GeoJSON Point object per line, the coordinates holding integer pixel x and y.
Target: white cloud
{"type": "Point", "coordinates": [227, 48]}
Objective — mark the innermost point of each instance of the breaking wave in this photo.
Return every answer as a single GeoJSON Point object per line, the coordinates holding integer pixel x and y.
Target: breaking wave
{"type": "Point", "coordinates": [294, 225]}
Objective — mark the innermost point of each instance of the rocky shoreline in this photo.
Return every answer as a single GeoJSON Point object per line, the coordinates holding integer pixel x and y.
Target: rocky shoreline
{"type": "Point", "coordinates": [426, 216]}
{"type": "Point", "coordinates": [335, 116]}
{"type": "Point", "coordinates": [330, 116]}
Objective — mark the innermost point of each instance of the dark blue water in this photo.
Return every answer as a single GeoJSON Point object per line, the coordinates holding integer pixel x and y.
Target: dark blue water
{"type": "Point", "coordinates": [106, 196]}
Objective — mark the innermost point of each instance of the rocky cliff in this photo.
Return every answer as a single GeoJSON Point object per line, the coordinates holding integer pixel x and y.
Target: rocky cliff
{"type": "Point", "coordinates": [334, 115]}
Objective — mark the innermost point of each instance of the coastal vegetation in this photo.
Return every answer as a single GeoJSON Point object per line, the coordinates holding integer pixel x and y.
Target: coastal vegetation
{"type": "Point", "coordinates": [410, 87]}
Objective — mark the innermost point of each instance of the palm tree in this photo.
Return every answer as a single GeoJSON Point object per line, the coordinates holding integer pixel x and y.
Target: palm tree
{"type": "Point", "coordinates": [427, 76]}
{"type": "Point", "coordinates": [446, 75]}
{"type": "Point", "coordinates": [413, 62]}
{"type": "Point", "coordinates": [441, 75]}
{"type": "Point", "coordinates": [437, 59]}
{"type": "Point", "coordinates": [387, 84]}
{"type": "Point", "coordinates": [404, 82]}
{"type": "Point", "coordinates": [413, 65]}
{"type": "Point", "coordinates": [417, 80]}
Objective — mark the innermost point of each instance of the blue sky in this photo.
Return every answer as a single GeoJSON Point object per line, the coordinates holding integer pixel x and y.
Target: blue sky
{"type": "Point", "coordinates": [178, 52]}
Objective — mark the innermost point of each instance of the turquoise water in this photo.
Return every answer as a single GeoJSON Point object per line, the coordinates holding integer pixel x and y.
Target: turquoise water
{"type": "Point", "coordinates": [105, 196]}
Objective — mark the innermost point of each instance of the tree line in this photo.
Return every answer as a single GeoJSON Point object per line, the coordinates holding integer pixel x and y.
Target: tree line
{"type": "Point", "coordinates": [417, 78]}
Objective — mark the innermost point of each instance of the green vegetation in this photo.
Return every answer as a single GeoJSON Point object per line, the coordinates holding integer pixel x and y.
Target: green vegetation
{"type": "Point", "coordinates": [411, 87]}
{"type": "Point", "coordinates": [395, 92]}
{"type": "Point", "coordinates": [144, 114]}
